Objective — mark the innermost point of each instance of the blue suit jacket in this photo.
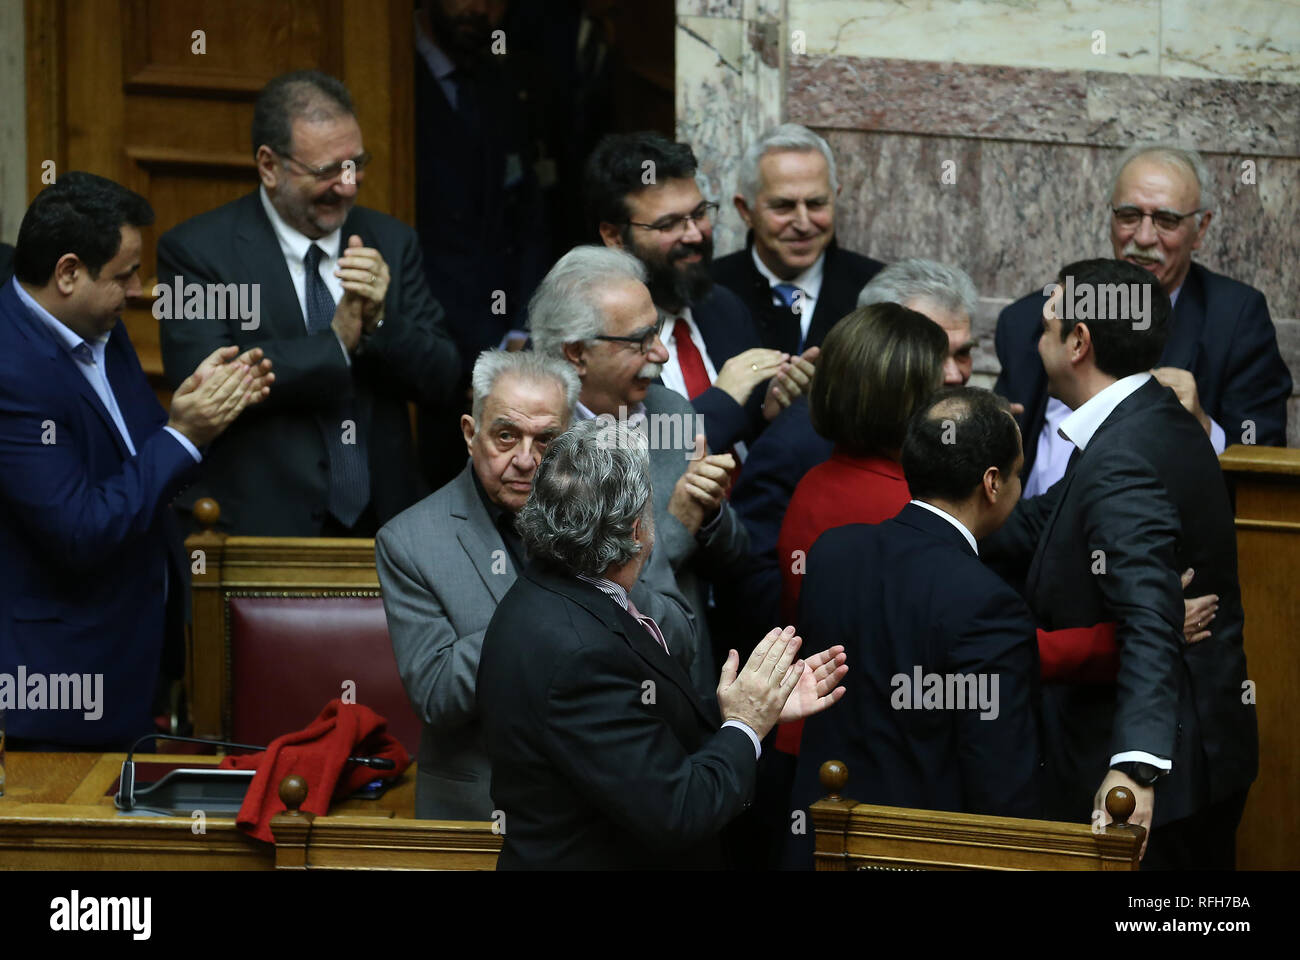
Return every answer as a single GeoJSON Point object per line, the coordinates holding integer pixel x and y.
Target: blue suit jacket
{"type": "Point", "coordinates": [727, 329]}
{"type": "Point", "coordinates": [1221, 333]}
{"type": "Point", "coordinates": [85, 529]}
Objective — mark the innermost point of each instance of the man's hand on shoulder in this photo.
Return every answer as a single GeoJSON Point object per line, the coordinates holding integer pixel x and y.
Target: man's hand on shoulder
{"type": "Point", "coordinates": [1182, 383]}
{"type": "Point", "coordinates": [219, 389]}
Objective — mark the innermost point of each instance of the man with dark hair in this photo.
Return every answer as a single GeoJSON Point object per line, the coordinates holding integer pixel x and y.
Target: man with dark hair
{"type": "Point", "coordinates": [603, 754]}
{"type": "Point", "coordinates": [340, 303]}
{"type": "Point", "coordinates": [92, 574]}
{"type": "Point", "coordinates": [643, 198]}
{"type": "Point", "coordinates": [1142, 498]}
{"type": "Point", "coordinates": [1220, 355]}
{"type": "Point", "coordinates": [940, 702]}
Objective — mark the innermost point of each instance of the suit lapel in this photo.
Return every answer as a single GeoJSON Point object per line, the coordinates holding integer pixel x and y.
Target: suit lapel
{"type": "Point", "coordinates": [477, 537]}
{"type": "Point", "coordinates": [1182, 348]}
{"type": "Point", "coordinates": [261, 256]}
{"type": "Point", "coordinates": [634, 634]}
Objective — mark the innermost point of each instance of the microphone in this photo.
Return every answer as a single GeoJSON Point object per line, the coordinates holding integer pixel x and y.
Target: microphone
{"type": "Point", "coordinates": [125, 798]}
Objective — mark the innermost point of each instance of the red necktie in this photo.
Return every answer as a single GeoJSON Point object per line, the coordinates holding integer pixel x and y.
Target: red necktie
{"type": "Point", "coordinates": [689, 360]}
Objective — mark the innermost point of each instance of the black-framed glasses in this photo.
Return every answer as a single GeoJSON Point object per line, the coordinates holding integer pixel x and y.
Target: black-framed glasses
{"type": "Point", "coordinates": [671, 226]}
{"type": "Point", "coordinates": [331, 170]}
{"type": "Point", "coordinates": [1166, 221]}
{"type": "Point", "coordinates": [644, 340]}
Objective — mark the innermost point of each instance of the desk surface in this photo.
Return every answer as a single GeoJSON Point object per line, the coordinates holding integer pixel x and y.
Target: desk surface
{"type": "Point", "coordinates": [56, 814]}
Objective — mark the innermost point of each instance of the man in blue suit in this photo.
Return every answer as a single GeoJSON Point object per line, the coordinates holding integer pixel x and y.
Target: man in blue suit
{"type": "Point", "coordinates": [643, 197]}
{"type": "Point", "coordinates": [92, 577]}
{"type": "Point", "coordinates": [1221, 355]}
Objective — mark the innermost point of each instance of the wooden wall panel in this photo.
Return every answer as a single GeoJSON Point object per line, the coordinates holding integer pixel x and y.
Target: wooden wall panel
{"type": "Point", "coordinates": [115, 88]}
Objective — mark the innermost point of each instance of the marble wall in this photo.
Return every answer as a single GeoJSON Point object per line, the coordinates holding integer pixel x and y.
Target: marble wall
{"type": "Point", "coordinates": [1025, 106]}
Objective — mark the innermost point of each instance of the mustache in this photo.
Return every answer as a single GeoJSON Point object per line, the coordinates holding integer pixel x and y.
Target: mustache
{"type": "Point", "coordinates": [1131, 249]}
{"type": "Point", "coordinates": [650, 371]}
{"type": "Point", "coordinates": [683, 250]}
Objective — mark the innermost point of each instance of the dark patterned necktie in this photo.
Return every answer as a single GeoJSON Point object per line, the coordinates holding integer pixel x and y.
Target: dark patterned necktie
{"type": "Point", "coordinates": [349, 465]}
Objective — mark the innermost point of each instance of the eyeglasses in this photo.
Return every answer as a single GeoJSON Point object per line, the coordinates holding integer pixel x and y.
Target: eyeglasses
{"type": "Point", "coordinates": [1166, 221]}
{"type": "Point", "coordinates": [671, 226]}
{"type": "Point", "coordinates": [644, 340]}
{"type": "Point", "coordinates": [332, 170]}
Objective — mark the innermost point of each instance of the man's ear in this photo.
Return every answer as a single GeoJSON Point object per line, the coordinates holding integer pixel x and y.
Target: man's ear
{"type": "Point", "coordinates": [1200, 231]}
{"type": "Point", "coordinates": [467, 428]}
{"type": "Point", "coordinates": [1081, 342]}
{"type": "Point", "coordinates": [576, 354]}
{"type": "Point", "coordinates": [267, 169]}
{"type": "Point", "coordinates": [993, 484]}
{"type": "Point", "coordinates": [65, 273]}
{"type": "Point", "coordinates": [612, 235]}
{"type": "Point", "coordinates": [742, 208]}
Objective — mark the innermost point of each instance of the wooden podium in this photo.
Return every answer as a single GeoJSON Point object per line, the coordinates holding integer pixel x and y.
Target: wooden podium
{"type": "Point", "coordinates": [1265, 482]}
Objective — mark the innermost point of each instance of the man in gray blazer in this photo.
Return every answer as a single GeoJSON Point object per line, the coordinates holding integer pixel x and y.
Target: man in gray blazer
{"type": "Point", "coordinates": [445, 563]}
{"type": "Point", "coordinates": [594, 310]}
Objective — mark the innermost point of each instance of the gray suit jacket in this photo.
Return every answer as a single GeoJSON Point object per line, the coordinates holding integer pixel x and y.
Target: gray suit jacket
{"type": "Point", "coordinates": [695, 559]}
{"type": "Point", "coordinates": [444, 568]}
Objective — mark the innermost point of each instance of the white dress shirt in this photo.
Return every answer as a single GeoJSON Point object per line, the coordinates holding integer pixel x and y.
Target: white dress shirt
{"type": "Point", "coordinates": [809, 283]}
{"type": "Point", "coordinates": [961, 527]}
{"type": "Point", "coordinates": [1079, 427]}
{"type": "Point", "coordinates": [294, 247]}
{"type": "Point", "coordinates": [1054, 450]}
{"type": "Point", "coordinates": [672, 372]}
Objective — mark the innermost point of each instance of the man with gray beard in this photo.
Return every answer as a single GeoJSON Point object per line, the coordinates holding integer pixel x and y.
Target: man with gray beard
{"type": "Point", "coordinates": [1221, 356]}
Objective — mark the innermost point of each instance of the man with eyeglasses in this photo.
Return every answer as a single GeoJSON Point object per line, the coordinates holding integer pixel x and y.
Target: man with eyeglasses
{"type": "Point", "coordinates": [1221, 357]}
{"type": "Point", "coordinates": [643, 198]}
{"type": "Point", "coordinates": [341, 306]}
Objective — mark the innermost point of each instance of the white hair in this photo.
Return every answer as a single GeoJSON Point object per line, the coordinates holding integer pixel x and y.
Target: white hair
{"type": "Point", "coordinates": [492, 365]}
{"type": "Point", "coordinates": [917, 279]}
{"type": "Point", "coordinates": [1171, 153]}
{"type": "Point", "coordinates": [788, 136]}
{"type": "Point", "coordinates": [565, 308]}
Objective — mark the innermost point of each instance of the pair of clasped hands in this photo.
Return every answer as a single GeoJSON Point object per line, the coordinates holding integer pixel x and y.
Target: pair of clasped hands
{"type": "Point", "coordinates": [774, 687]}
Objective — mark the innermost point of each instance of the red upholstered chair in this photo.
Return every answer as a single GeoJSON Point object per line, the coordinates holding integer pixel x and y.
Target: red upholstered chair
{"type": "Point", "coordinates": [283, 625]}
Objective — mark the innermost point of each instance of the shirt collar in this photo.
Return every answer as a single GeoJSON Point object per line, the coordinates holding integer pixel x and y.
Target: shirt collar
{"type": "Point", "coordinates": [1173, 297]}
{"type": "Point", "coordinates": [294, 244]}
{"type": "Point", "coordinates": [1080, 426]}
{"type": "Point", "coordinates": [68, 339]}
{"type": "Point", "coordinates": [810, 281]}
{"type": "Point", "coordinates": [609, 588]}
{"type": "Point", "coordinates": [440, 64]}
{"type": "Point", "coordinates": [961, 527]}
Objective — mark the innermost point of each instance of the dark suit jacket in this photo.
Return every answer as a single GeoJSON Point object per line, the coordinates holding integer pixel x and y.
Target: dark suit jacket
{"type": "Point", "coordinates": [1221, 333]}
{"type": "Point", "coordinates": [727, 329]}
{"type": "Point", "coordinates": [270, 470]}
{"type": "Point", "coordinates": [904, 594]}
{"type": "Point", "coordinates": [6, 262]}
{"type": "Point", "coordinates": [750, 598]}
{"type": "Point", "coordinates": [844, 275]}
{"type": "Point", "coordinates": [86, 538]}
{"type": "Point", "coordinates": [1145, 500]}
{"type": "Point", "coordinates": [602, 755]}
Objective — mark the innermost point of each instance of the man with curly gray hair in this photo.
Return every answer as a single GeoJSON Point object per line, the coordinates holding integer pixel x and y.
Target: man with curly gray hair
{"type": "Point", "coordinates": [603, 754]}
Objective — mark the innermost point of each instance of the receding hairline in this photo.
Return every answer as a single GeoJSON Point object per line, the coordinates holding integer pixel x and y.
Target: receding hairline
{"type": "Point", "coordinates": [1167, 160]}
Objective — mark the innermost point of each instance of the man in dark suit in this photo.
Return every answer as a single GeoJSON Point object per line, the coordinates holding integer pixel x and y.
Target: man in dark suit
{"type": "Point", "coordinates": [603, 755]}
{"type": "Point", "coordinates": [1221, 355]}
{"type": "Point", "coordinates": [92, 573]}
{"type": "Point", "coordinates": [643, 197]}
{"type": "Point", "coordinates": [792, 275]}
{"type": "Point", "coordinates": [341, 306]}
{"type": "Point", "coordinates": [942, 713]}
{"type": "Point", "coordinates": [1143, 499]}
{"type": "Point", "coordinates": [479, 206]}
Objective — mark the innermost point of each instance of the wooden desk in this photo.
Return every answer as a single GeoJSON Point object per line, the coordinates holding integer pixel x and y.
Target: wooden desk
{"type": "Point", "coordinates": [55, 816]}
